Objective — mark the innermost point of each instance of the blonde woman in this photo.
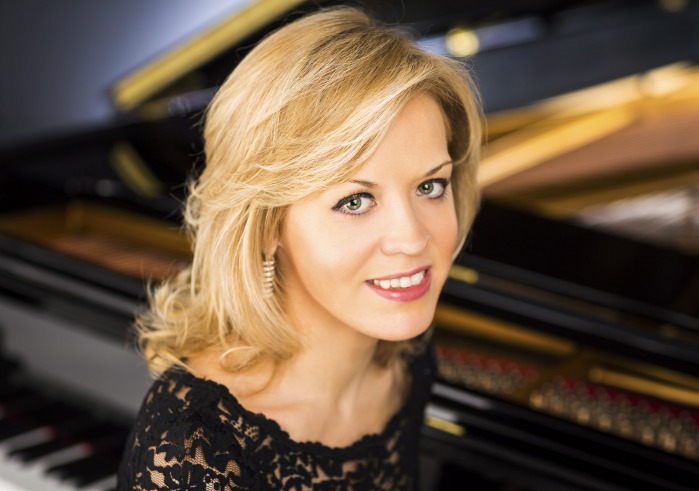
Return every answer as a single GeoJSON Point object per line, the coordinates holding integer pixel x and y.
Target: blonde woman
{"type": "Point", "coordinates": [339, 185]}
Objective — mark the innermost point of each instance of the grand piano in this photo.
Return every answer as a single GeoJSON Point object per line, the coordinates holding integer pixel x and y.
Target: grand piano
{"type": "Point", "coordinates": [567, 335]}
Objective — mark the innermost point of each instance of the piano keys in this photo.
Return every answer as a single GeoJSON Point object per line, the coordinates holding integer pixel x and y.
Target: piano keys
{"type": "Point", "coordinates": [50, 442]}
{"type": "Point", "coordinates": [68, 396]}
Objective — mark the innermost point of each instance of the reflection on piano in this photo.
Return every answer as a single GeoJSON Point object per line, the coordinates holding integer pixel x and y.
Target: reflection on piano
{"type": "Point", "coordinates": [567, 351]}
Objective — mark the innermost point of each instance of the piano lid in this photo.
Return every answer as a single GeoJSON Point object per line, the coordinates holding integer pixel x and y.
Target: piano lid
{"type": "Point", "coordinates": [185, 59]}
{"type": "Point", "coordinates": [554, 46]}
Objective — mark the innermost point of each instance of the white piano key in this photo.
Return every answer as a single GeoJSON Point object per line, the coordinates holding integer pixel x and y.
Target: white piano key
{"type": "Point", "coordinates": [14, 476]}
{"type": "Point", "coordinates": [18, 475]}
{"type": "Point", "coordinates": [8, 486]}
{"type": "Point", "coordinates": [68, 454]}
{"type": "Point", "coordinates": [33, 437]}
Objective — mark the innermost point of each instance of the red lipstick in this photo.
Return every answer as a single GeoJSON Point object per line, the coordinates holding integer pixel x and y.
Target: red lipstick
{"type": "Point", "coordinates": [403, 294]}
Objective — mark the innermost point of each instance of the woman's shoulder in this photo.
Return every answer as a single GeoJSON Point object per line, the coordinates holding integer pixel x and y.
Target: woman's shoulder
{"type": "Point", "coordinates": [177, 393]}
{"type": "Point", "coordinates": [186, 432]}
{"type": "Point", "coordinates": [177, 408]}
{"type": "Point", "coordinates": [178, 396]}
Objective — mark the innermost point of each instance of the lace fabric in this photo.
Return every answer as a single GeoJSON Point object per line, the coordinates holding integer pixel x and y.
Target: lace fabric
{"type": "Point", "coordinates": [192, 434]}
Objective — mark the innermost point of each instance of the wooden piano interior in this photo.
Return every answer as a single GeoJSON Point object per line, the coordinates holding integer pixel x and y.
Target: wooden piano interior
{"type": "Point", "coordinates": [567, 337]}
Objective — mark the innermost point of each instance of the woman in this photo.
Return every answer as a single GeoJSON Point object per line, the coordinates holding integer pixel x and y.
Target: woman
{"type": "Point", "coordinates": [339, 184]}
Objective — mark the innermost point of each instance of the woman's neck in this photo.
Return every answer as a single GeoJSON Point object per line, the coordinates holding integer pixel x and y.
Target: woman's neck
{"type": "Point", "coordinates": [335, 392]}
{"type": "Point", "coordinates": [332, 391]}
{"type": "Point", "coordinates": [333, 365]}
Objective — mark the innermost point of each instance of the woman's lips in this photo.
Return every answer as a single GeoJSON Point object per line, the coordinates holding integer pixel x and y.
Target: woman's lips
{"type": "Point", "coordinates": [404, 287]}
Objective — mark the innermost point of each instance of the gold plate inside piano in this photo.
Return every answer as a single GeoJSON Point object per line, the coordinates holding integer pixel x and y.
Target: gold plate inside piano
{"type": "Point", "coordinates": [621, 157]}
{"type": "Point", "coordinates": [648, 404]}
{"type": "Point", "coordinates": [114, 239]}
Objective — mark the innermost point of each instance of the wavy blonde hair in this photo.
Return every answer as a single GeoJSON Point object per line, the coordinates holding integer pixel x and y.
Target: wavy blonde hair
{"type": "Point", "coordinates": [303, 111]}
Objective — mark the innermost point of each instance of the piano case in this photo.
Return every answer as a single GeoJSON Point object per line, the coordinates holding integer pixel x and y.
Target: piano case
{"type": "Point", "coordinates": [567, 342]}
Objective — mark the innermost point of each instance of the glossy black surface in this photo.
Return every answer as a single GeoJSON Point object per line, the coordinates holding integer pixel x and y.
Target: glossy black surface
{"type": "Point", "coordinates": [594, 289]}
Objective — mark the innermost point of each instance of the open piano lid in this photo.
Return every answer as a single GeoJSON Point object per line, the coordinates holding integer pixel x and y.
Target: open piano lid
{"type": "Point", "coordinates": [543, 41]}
{"type": "Point", "coordinates": [527, 262]}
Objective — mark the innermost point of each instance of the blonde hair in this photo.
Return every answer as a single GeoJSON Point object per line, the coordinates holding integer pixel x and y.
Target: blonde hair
{"type": "Point", "coordinates": [302, 111]}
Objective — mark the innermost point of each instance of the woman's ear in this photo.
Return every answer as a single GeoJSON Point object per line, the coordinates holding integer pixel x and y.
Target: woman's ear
{"type": "Point", "coordinates": [275, 242]}
{"type": "Point", "coordinates": [273, 246]}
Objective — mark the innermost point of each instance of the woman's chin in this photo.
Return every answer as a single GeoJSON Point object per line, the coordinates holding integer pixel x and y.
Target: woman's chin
{"type": "Point", "coordinates": [406, 330]}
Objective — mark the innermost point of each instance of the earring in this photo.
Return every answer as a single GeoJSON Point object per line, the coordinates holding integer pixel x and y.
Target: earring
{"type": "Point", "coordinates": [268, 282]}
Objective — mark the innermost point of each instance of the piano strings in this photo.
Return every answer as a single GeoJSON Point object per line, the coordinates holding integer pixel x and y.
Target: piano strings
{"type": "Point", "coordinates": [652, 406]}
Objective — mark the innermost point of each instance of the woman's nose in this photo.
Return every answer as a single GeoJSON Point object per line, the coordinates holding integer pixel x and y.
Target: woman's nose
{"type": "Point", "coordinates": [405, 232]}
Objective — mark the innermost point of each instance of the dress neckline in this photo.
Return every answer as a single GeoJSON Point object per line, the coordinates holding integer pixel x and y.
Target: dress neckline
{"type": "Point", "coordinates": [354, 449]}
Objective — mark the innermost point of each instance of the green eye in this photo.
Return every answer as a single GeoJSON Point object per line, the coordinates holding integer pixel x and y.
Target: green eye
{"type": "Point", "coordinates": [433, 189]}
{"type": "Point", "coordinates": [354, 204]}
{"type": "Point", "coordinates": [427, 187]}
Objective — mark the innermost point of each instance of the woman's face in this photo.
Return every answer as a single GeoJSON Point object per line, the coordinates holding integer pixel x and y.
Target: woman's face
{"type": "Point", "coordinates": [372, 254]}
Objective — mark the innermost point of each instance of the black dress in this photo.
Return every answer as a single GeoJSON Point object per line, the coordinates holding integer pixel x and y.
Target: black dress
{"type": "Point", "coordinates": [192, 434]}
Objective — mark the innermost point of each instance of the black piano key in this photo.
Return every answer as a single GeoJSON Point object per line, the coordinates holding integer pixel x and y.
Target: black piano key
{"type": "Point", "coordinates": [8, 366]}
{"type": "Point", "coordinates": [104, 460]}
{"type": "Point", "coordinates": [22, 421]}
{"type": "Point", "coordinates": [52, 412]}
{"type": "Point", "coordinates": [9, 429]}
{"type": "Point", "coordinates": [24, 401]}
{"type": "Point", "coordinates": [9, 391]}
{"type": "Point", "coordinates": [84, 430]}
{"type": "Point", "coordinates": [19, 422]}
{"type": "Point", "coordinates": [107, 442]}
{"type": "Point", "coordinates": [93, 474]}
{"type": "Point", "coordinates": [35, 452]}
{"type": "Point", "coordinates": [79, 423]}
{"type": "Point", "coordinates": [84, 470]}
{"type": "Point", "coordinates": [63, 439]}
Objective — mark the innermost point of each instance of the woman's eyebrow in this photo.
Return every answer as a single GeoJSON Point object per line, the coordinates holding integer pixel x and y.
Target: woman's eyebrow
{"type": "Point", "coordinates": [430, 172]}
{"type": "Point", "coordinates": [436, 169]}
{"type": "Point", "coordinates": [367, 184]}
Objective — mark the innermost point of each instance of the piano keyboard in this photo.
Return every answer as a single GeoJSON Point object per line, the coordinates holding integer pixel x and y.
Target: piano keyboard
{"type": "Point", "coordinates": [65, 407]}
{"type": "Point", "coordinates": [47, 444]}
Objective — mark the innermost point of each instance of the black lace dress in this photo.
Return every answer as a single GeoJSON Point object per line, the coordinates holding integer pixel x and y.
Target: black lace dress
{"type": "Point", "coordinates": [192, 434]}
